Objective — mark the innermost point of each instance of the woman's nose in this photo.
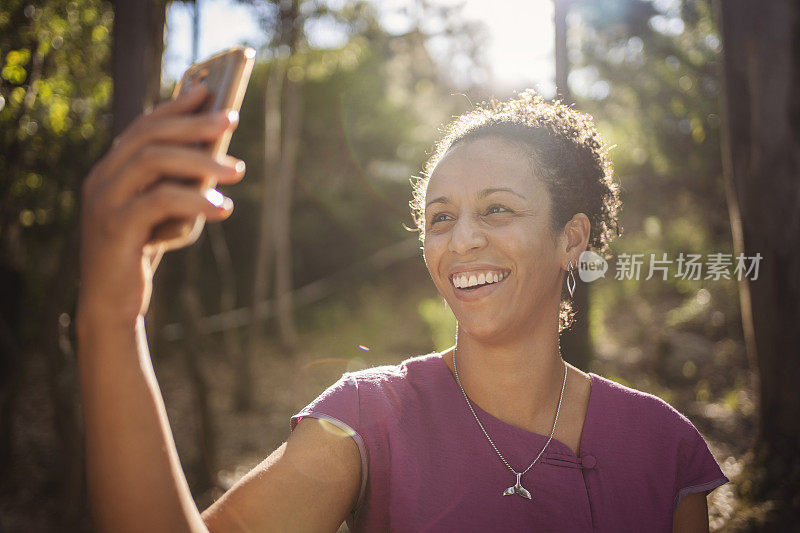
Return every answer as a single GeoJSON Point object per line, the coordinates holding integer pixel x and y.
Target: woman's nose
{"type": "Point", "coordinates": [466, 236]}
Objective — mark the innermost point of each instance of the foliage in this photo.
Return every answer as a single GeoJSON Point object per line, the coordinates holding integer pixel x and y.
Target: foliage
{"type": "Point", "coordinates": [54, 97]}
{"type": "Point", "coordinates": [649, 72]}
{"type": "Point", "coordinates": [55, 92]}
{"type": "Point", "coordinates": [653, 78]}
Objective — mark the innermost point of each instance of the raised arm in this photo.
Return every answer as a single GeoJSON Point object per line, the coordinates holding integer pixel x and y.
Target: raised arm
{"type": "Point", "coordinates": [134, 477]}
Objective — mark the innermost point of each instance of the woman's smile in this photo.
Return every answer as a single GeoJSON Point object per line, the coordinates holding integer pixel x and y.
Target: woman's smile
{"type": "Point", "coordinates": [476, 282]}
{"type": "Point", "coordinates": [476, 292]}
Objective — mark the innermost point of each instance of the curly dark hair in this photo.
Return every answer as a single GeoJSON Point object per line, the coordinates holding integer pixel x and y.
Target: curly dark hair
{"type": "Point", "coordinates": [566, 152]}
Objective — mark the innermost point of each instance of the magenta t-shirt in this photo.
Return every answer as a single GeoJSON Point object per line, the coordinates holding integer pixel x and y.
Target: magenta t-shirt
{"type": "Point", "coordinates": [427, 466]}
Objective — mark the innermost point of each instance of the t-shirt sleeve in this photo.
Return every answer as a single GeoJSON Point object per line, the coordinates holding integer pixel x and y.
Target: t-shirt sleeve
{"type": "Point", "coordinates": [339, 405]}
{"type": "Point", "coordinates": [698, 471]}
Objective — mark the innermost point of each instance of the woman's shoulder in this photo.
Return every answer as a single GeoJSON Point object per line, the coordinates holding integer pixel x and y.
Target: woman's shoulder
{"type": "Point", "coordinates": [645, 438]}
{"type": "Point", "coordinates": [387, 378]}
{"type": "Point", "coordinates": [630, 413]}
{"type": "Point", "coordinates": [628, 400]}
{"type": "Point", "coordinates": [407, 371]}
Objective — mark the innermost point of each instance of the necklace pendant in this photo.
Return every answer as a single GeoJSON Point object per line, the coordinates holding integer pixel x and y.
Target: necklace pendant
{"type": "Point", "coordinates": [517, 488]}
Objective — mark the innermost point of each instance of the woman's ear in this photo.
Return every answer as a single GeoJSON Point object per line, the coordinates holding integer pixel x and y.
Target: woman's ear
{"type": "Point", "coordinates": [576, 233]}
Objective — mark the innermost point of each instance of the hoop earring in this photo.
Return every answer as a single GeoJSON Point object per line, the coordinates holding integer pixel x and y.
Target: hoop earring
{"type": "Point", "coordinates": [571, 279]}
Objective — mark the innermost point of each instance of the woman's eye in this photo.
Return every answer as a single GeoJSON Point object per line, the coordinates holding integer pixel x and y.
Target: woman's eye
{"type": "Point", "coordinates": [438, 218]}
{"type": "Point", "coordinates": [496, 209]}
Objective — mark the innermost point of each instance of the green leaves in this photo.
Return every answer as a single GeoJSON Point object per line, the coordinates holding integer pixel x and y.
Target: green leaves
{"type": "Point", "coordinates": [54, 95]}
{"type": "Point", "coordinates": [14, 68]}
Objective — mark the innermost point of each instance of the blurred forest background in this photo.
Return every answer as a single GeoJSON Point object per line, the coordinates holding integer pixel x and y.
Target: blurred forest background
{"type": "Point", "coordinates": [316, 273]}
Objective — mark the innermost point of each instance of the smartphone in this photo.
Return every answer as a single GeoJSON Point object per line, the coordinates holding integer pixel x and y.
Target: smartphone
{"type": "Point", "coordinates": [226, 75]}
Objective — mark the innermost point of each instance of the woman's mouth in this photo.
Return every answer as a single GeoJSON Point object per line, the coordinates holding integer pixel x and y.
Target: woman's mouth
{"type": "Point", "coordinates": [470, 286]}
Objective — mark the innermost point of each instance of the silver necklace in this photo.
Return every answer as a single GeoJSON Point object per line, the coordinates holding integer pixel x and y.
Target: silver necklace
{"type": "Point", "coordinates": [516, 488]}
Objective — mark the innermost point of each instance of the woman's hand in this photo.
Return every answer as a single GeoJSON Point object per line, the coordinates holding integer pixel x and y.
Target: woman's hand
{"type": "Point", "coordinates": [124, 198]}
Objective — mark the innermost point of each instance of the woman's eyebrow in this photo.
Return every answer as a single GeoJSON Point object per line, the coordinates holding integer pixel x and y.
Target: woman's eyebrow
{"type": "Point", "coordinates": [483, 194]}
{"type": "Point", "coordinates": [486, 192]}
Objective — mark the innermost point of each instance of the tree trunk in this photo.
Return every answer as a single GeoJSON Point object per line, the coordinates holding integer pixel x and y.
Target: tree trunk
{"type": "Point", "coordinates": [264, 246]}
{"type": "Point", "coordinates": [227, 276]}
{"type": "Point", "coordinates": [291, 34]}
{"type": "Point", "coordinates": [292, 129]}
{"type": "Point", "coordinates": [575, 345]}
{"type": "Point", "coordinates": [195, 344]}
{"type": "Point", "coordinates": [561, 8]}
{"type": "Point", "coordinates": [136, 58]}
{"type": "Point", "coordinates": [761, 152]}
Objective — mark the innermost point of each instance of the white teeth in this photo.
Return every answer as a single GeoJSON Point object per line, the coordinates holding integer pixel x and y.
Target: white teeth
{"type": "Point", "coordinates": [463, 281]}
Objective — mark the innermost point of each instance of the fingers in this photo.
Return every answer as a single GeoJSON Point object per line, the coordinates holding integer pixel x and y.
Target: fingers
{"type": "Point", "coordinates": [186, 102]}
{"type": "Point", "coordinates": [168, 200]}
{"type": "Point", "coordinates": [156, 161]}
{"type": "Point", "coordinates": [182, 129]}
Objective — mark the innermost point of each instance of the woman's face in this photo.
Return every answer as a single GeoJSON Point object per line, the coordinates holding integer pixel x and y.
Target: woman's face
{"type": "Point", "coordinates": [487, 217]}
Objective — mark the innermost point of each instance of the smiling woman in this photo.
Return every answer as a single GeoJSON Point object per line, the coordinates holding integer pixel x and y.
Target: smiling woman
{"type": "Point", "coordinates": [496, 433]}
{"type": "Point", "coordinates": [512, 195]}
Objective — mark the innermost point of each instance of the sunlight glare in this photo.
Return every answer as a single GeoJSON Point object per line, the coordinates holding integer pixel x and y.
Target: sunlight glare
{"type": "Point", "coordinates": [518, 36]}
{"type": "Point", "coordinates": [521, 41]}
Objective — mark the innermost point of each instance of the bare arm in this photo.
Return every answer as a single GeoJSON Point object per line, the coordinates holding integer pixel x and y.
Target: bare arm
{"type": "Point", "coordinates": [135, 481]}
{"type": "Point", "coordinates": [691, 516]}
{"type": "Point", "coordinates": [134, 477]}
{"type": "Point", "coordinates": [311, 483]}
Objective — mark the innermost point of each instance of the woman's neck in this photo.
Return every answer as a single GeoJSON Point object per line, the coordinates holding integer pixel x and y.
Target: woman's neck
{"type": "Point", "coordinates": [519, 383]}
